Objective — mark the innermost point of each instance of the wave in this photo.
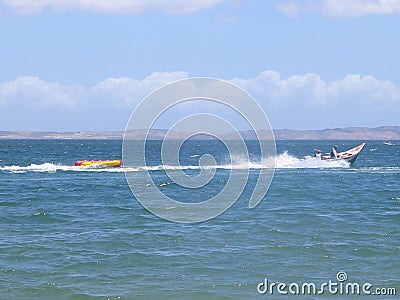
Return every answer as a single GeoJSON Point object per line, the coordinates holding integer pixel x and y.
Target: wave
{"type": "Point", "coordinates": [382, 170]}
{"type": "Point", "coordinates": [282, 161]}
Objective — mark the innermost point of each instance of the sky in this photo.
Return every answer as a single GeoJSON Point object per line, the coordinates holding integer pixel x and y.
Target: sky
{"type": "Point", "coordinates": [86, 64]}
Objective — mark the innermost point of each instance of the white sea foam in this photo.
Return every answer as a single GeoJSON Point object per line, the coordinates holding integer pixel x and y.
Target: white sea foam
{"type": "Point", "coordinates": [46, 167]}
{"type": "Point", "coordinates": [51, 168]}
{"type": "Point", "coordinates": [382, 170]}
{"type": "Point", "coordinates": [282, 161]}
{"type": "Point", "coordinates": [286, 161]}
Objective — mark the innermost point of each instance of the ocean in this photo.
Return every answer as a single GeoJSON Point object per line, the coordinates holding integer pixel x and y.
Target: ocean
{"type": "Point", "coordinates": [71, 232]}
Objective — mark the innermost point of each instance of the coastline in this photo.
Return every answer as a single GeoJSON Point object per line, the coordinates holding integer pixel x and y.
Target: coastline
{"type": "Point", "coordinates": [348, 133]}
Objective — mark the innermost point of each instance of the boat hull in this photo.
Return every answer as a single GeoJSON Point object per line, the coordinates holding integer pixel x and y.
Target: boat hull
{"type": "Point", "coordinates": [350, 155]}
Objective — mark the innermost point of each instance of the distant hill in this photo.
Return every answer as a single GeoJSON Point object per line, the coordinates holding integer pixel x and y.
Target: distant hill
{"type": "Point", "coordinates": [349, 133]}
{"type": "Point", "coordinates": [79, 135]}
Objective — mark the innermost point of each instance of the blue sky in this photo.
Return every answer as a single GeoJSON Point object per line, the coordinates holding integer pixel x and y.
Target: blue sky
{"type": "Point", "coordinates": [85, 64]}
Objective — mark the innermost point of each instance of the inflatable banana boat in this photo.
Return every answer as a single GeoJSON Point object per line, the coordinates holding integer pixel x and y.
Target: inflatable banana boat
{"type": "Point", "coordinates": [99, 163]}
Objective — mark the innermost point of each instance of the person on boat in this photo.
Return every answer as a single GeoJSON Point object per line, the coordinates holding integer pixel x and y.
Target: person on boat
{"type": "Point", "coordinates": [318, 154]}
{"type": "Point", "coordinates": [334, 152]}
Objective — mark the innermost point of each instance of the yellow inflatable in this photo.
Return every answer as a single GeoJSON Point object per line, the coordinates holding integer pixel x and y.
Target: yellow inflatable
{"type": "Point", "coordinates": [100, 163]}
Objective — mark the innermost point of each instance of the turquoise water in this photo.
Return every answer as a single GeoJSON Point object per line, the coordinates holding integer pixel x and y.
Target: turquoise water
{"type": "Point", "coordinates": [76, 233]}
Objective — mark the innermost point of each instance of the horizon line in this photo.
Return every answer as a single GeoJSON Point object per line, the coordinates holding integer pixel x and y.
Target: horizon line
{"type": "Point", "coordinates": [163, 129]}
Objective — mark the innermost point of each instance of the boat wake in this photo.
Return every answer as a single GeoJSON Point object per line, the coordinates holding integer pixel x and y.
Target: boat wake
{"type": "Point", "coordinates": [51, 168]}
{"type": "Point", "coordinates": [282, 161]}
{"type": "Point", "coordinates": [286, 161]}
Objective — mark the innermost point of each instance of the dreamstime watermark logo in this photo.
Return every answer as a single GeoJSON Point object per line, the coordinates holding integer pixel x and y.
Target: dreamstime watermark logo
{"type": "Point", "coordinates": [228, 96]}
{"type": "Point", "coordinates": [340, 286]}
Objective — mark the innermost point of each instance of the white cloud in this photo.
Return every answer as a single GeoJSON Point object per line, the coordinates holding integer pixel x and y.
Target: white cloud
{"type": "Point", "coordinates": [303, 101]}
{"type": "Point", "coordinates": [34, 92]}
{"type": "Point", "coordinates": [341, 8]}
{"type": "Point", "coordinates": [128, 91]}
{"type": "Point", "coordinates": [119, 92]}
{"type": "Point", "coordinates": [35, 104]}
{"type": "Point", "coordinates": [312, 89]}
{"type": "Point", "coordinates": [109, 6]}
{"type": "Point", "coordinates": [298, 101]}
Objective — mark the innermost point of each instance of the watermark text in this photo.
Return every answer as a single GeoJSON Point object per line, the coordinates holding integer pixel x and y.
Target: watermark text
{"type": "Point", "coordinates": [340, 286]}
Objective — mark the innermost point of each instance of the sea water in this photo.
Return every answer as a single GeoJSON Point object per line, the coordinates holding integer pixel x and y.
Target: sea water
{"type": "Point", "coordinates": [71, 232]}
